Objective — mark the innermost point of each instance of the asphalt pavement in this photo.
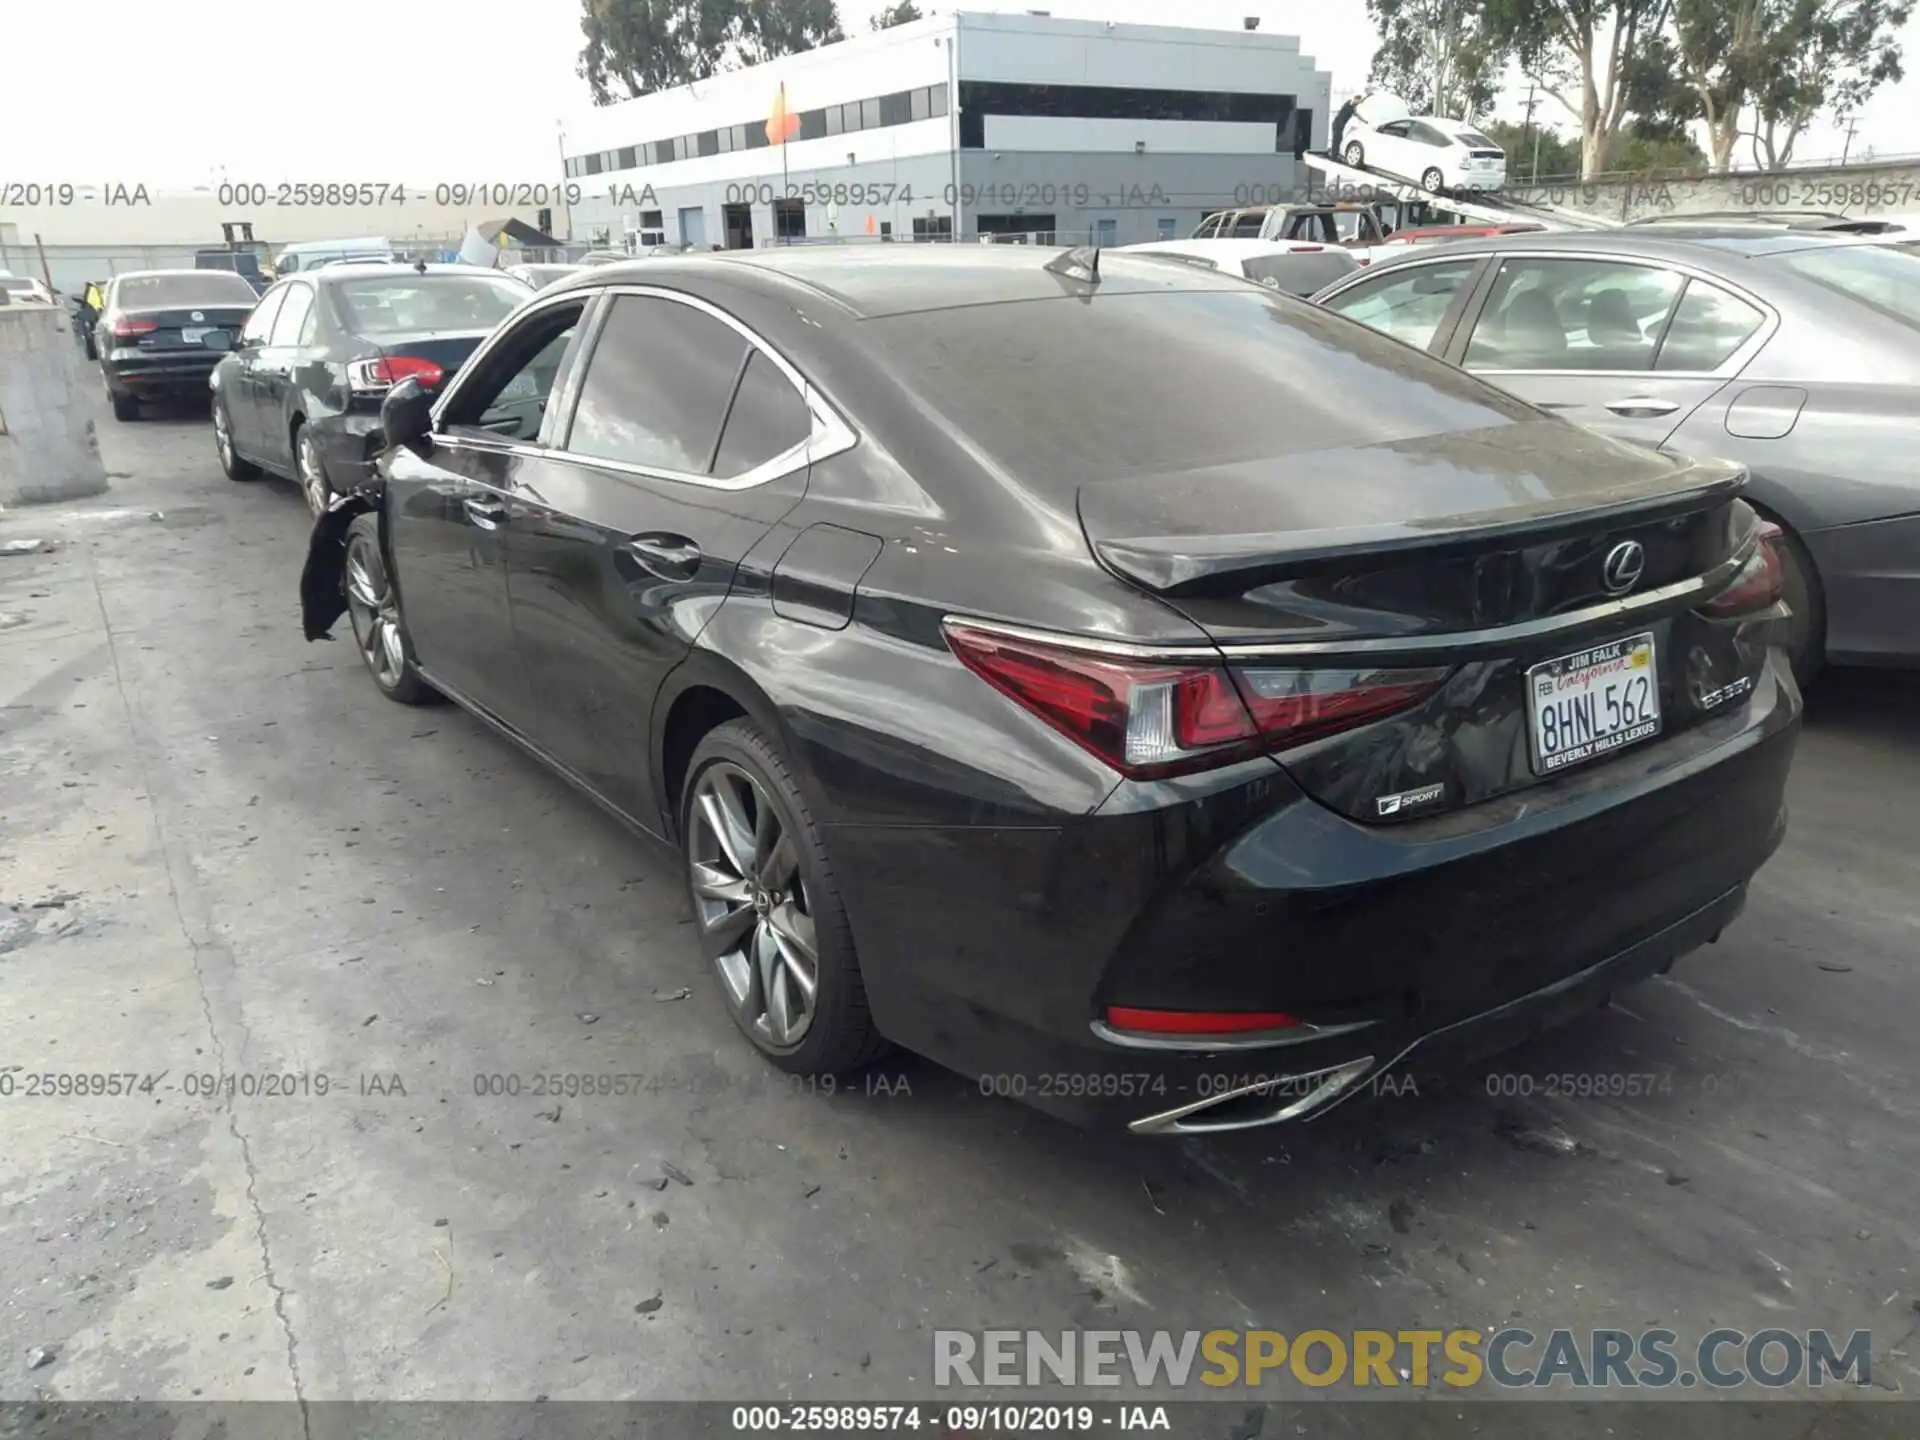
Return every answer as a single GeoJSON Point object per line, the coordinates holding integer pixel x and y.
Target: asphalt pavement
{"type": "Point", "coordinates": [227, 863]}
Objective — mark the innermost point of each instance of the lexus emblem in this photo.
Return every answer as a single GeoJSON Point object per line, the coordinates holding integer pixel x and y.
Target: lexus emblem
{"type": "Point", "coordinates": [1624, 565]}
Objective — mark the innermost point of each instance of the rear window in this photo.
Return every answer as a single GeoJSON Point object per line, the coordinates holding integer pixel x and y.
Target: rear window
{"type": "Point", "coordinates": [395, 304]}
{"type": "Point", "coordinates": [1301, 274]}
{"type": "Point", "coordinates": [1069, 393]}
{"type": "Point", "coordinates": [1886, 277]}
{"type": "Point", "coordinates": [165, 292]}
{"type": "Point", "coordinates": [1477, 140]}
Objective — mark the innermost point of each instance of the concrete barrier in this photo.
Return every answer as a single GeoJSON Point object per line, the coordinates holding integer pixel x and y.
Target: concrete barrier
{"type": "Point", "coordinates": [1859, 191]}
{"type": "Point", "coordinates": [48, 448]}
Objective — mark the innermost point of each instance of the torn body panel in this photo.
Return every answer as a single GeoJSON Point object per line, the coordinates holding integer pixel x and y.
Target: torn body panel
{"type": "Point", "coordinates": [323, 596]}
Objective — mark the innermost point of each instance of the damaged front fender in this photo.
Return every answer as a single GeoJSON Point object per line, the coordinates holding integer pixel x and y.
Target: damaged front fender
{"type": "Point", "coordinates": [323, 593]}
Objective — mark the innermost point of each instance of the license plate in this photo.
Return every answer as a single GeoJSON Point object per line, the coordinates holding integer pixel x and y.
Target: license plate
{"type": "Point", "coordinates": [1593, 702]}
{"type": "Point", "coordinates": [193, 335]}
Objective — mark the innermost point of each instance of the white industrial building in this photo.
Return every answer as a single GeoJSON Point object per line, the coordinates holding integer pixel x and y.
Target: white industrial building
{"type": "Point", "coordinates": [958, 125]}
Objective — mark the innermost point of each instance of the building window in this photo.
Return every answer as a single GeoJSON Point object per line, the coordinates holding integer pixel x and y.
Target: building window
{"type": "Point", "coordinates": [933, 227]}
{"type": "Point", "coordinates": [707, 142]}
{"type": "Point", "coordinates": [1168, 227]}
{"type": "Point", "coordinates": [920, 104]}
{"type": "Point", "coordinates": [896, 109]}
{"type": "Point", "coordinates": [756, 136]}
{"type": "Point", "coordinates": [834, 125]}
{"type": "Point", "coordinates": [593, 164]}
{"type": "Point", "coordinates": [652, 220]}
{"type": "Point", "coordinates": [726, 140]}
{"type": "Point", "coordinates": [790, 219]}
{"type": "Point", "coordinates": [870, 114]}
{"type": "Point", "coordinates": [981, 98]}
{"type": "Point", "coordinates": [1107, 233]}
{"type": "Point", "coordinates": [937, 100]}
{"type": "Point", "coordinates": [886, 229]}
{"type": "Point", "coordinates": [683, 147]}
{"type": "Point", "coordinates": [813, 125]}
{"type": "Point", "coordinates": [628, 160]}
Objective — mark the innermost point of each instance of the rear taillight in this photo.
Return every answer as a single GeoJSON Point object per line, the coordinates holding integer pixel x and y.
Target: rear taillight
{"type": "Point", "coordinates": [369, 377]}
{"type": "Point", "coordinates": [126, 327]}
{"type": "Point", "coordinates": [1760, 583]}
{"type": "Point", "coordinates": [1148, 720]}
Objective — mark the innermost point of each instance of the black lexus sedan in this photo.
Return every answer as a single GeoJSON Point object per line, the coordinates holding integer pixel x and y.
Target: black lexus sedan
{"type": "Point", "coordinates": [160, 333]}
{"type": "Point", "coordinates": [300, 394]}
{"type": "Point", "coordinates": [1175, 705]}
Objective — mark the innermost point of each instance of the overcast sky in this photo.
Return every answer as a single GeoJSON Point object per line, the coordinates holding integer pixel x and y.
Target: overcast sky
{"type": "Point", "coordinates": [384, 91]}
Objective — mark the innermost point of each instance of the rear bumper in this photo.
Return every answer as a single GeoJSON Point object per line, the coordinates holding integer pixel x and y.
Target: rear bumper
{"type": "Point", "coordinates": [1870, 574]}
{"type": "Point", "coordinates": [163, 373]}
{"type": "Point", "coordinates": [1395, 945]}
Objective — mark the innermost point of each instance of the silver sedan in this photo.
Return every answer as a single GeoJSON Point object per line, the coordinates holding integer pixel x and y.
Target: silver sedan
{"type": "Point", "coordinates": [1795, 353]}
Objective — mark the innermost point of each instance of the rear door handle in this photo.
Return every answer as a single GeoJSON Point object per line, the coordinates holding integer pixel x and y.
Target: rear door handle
{"type": "Point", "coordinates": [1643, 405]}
{"type": "Point", "coordinates": [672, 557]}
{"type": "Point", "coordinates": [487, 513]}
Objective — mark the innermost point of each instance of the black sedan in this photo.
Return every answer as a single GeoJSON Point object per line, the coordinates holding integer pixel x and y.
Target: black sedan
{"type": "Point", "coordinates": [1175, 705]}
{"type": "Point", "coordinates": [300, 394]}
{"type": "Point", "coordinates": [160, 333]}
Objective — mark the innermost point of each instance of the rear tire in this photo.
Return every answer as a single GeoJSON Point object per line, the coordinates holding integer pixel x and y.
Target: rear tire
{"type": "Point", "coordinates": [232, 465]}
{"type": "Point", "coordinates": [1355, 155]}
{"type": "Point", "coordinates": [1433, 182]}
{"type": "Point", "coordinates": [125, 407]}
{"type": "Point", "coordinates": [373, 606]}
{"type": "Point", "coordinates": [762, 895]}
{"type": "Point", "coordinates": [311, 467]}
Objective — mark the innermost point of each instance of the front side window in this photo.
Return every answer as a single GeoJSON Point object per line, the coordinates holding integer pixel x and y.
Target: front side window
{"type": "Point", "coordinates": [1573, 315]}
{"type": "Point", "coordinates": [1408, 306]}
{"type": "Point", "coordinates": [260, 323]}
{"type": "Point", "coordinates": [657, 386]}
{"type": "Point", "coordinates": [1246, 225]}
{"type": "Point", "coordinates": [509, 395]}
{"type": "Point", "coordinates": [293, 315]}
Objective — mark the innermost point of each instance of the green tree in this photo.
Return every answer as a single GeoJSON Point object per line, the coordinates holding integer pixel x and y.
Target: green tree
{"type": "Point", "coordinates": [1580, 53]}
{"type": "Point", "coordinates": [1559, 157]}
{"type": "Point", "coordinates": [898, 13]}
{"type": "Point", "coordinates": [1437, 55]}
{"type": "Point", "coordinates": [1851, 50]}
{"type": "Point", "coordinates": [1645, 147]}
{"type": "Point", "coordinates": [635, 47]}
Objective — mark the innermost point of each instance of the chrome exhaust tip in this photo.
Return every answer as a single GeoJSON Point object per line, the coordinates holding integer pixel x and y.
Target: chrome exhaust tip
{"type": "Point", "coordinates": [1265, 1102]}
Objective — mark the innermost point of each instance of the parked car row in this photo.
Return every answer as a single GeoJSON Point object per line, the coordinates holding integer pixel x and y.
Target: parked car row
{"type": "Point", "coordinates": [1021, 647]}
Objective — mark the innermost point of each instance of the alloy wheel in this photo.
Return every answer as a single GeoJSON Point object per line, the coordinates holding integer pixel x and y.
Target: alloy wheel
{"type": "Point", "coordinates": [223, 436]}
{"type": "Point", "coordinates": [313, 478]}
{"type": "Point", "coordinates": [375, 615]}
{"type": "Point", "coordinates": [752, 902]}
{"type": "Point", "coordinates": [1432, 181]}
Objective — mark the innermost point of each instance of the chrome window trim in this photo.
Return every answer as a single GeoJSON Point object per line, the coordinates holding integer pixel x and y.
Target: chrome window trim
{"type": "Point", "coordinates": [1731, 367]}
{"type": "Point", "coordinates": [831, 434]}
{"type": "Point", "coordinates": [1492, 637]}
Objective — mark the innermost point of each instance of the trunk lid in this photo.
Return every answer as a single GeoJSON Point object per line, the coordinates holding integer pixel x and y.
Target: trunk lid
{"type": "Point", "coordinates": [1481, 554]}
{"type": "Point", "coordinates": [1382, 107]}
{"type": "Point", "coordinates": [196, 327]}
{"type": "Point", "coordinates": [448, 349]}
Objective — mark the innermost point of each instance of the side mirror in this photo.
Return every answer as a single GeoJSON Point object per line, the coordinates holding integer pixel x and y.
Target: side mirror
{"type": "Point", "coordinates": [406, 415]}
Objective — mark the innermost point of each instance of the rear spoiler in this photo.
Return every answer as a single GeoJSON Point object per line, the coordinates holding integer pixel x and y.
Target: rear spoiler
{"type": "Point", "coordinates": [1191, 565]}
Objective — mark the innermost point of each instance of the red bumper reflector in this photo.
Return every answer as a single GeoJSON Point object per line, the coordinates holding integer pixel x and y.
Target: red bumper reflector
{"type": "Point", "coordinates": [1197, 1022]}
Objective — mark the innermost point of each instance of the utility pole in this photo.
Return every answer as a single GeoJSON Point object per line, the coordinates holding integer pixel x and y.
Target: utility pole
{"type": "Point", "coordinates": [1847, 148]}
{"type": "Point", "coordinates": [1533, 176]}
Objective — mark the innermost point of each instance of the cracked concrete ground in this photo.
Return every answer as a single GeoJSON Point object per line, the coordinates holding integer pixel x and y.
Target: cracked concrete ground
{"type": "Point", "coordinates": [222, 854]}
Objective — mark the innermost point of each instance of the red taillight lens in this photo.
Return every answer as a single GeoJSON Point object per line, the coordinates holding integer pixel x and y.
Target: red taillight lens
{"type": "Point", "coordinates": [387, 371]}
{"type": "Point", "coordinates": [1148, 720]}
{"type": "Point", "coordinates": [1197, 1022]}
{"type": "Point", "coordinates": [1760, 583]}
{"type": "Point", "coordinates": [126, 327]}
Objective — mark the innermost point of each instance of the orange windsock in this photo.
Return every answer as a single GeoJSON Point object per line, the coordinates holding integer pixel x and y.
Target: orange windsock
{"type": "Point", "coordinates": [781, 122]}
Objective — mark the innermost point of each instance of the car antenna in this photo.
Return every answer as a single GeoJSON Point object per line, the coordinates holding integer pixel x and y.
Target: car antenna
{"type": "Point", "coordinates": [1081, 263]}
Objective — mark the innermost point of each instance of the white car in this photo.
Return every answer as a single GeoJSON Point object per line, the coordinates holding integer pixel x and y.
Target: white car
{"type": "Point", "coordinates": [24, 289]}
{"type": "Point", "coordinates": [1293, 268]}
{"type": "Point", "coordinates": [1436, 154]}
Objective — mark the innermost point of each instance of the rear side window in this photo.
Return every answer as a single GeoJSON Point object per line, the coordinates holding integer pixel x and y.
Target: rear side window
{"type": "Point", "coordinates": [1708, 328]}
{"type": "Point", "coordinates": [1883, 276]}
{"type": "Point", "coordinates": [1408, 306]}
{"type": "Point", "coordinates": [769, 418]}
{"type": "Point", "coordinates": [657, 386]}
{"type": "Point", "coordinates": [1247, 227]}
